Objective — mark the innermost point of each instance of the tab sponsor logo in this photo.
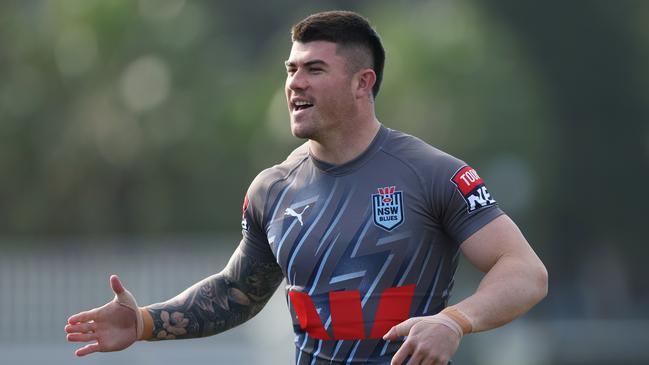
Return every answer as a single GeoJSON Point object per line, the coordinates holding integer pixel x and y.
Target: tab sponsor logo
{"type": "Point", "coordinates": [472, 188]}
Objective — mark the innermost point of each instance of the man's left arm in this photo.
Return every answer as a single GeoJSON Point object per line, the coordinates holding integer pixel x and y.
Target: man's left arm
{"type": "Point", "coordinates": [514, 282]}
{"type": "Point", "coordinates": [515, 278]}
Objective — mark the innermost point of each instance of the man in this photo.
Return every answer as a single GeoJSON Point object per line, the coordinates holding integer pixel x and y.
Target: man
{"type": "Point", "coordinates": [365, 224]}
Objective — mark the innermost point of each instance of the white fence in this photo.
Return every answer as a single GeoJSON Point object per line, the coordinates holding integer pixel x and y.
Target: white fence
{"type": "Point", "coordinates": [40, 288]}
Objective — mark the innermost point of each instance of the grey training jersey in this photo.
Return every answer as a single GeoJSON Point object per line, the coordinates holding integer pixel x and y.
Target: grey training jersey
{"type": "Point", "coordinates": [364, 245]}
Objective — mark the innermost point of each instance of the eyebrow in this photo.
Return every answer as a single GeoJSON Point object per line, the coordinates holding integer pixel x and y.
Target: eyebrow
{"type": "Point", "coordinates": [306, 64]}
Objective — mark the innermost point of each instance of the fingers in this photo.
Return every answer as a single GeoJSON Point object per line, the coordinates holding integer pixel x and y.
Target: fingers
{"type": "Point", "coordinates": [87, 349]}
{"type": "Point", "coordinates": [81, 337]}
{"type": "Point", "coordinates": [401, 329]}
{"type": "Point", "coordinates": [91, 315]}
{"type": "Point", "coordinates": [81, 327]}
{"type": "Point", "coordinates": [82, 332]}
{"type": "Point", "coordinates": [401, 355]}
{"type": "Point", "coordinates": [423, 358]}
{"type": "Point", "coordinates": [427, 343]}
{"type": "Point", "coordinates": [86, 316]}
{"type": "Point", "coordinates": [116, 284]}
{"type": "Point", "coordinates": [391, 335]}
{"type": "Point", "coordinates": [418, 356]}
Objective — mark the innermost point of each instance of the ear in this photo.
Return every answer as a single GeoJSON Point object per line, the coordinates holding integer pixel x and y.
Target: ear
{"type": "Point", "coordinates": [364, 81]}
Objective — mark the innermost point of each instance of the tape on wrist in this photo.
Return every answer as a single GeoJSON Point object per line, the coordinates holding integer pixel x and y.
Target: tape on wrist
{"type": "Point", "coordinates": [148, 324]}
{"type": "Point", "coordinates": [445, 321]}
{"type": "Point", "coordinates": [460, 318]}
{"type": "Point", "coordinates": [127, 300]}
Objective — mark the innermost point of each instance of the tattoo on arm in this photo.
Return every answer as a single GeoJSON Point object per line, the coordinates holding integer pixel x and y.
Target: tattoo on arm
{"type": "Point", "coordinates": [219, 302]}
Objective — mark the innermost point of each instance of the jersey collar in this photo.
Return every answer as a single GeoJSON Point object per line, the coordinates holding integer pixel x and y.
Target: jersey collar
{"type": "Point", "coordinates": [357, 162]}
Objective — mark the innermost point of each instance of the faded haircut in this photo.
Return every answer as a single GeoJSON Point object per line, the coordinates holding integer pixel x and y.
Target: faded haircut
{"type": "Point", "coordinates": [352, 33]}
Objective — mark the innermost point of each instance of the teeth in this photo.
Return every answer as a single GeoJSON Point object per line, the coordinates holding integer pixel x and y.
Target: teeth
{"type": "Point", "coordinates": [301, 103]}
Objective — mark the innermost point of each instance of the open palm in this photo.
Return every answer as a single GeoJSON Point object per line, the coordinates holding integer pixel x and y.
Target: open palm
{"type": "Point", "coordinates": [111, 327]}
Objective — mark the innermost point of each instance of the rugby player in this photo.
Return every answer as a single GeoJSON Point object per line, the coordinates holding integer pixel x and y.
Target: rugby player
{"type": "Point", "coordinates": [365, 224]}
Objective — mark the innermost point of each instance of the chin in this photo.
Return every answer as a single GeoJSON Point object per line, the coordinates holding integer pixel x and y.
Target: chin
{"type": "Point", "coordinates": [301, 131]}
{"type": "Point", "coordinates": [298, 133]}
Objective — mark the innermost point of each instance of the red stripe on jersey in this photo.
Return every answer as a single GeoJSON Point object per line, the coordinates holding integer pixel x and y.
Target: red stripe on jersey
{"type": "Point", "coordinates": [394, 308]}
{"type": "Point", "coordinates": [245, 204]}
{"type": "Point", "coordinates": [307, 315]}
{"type": "Point", "coordinates": [467, 179]}
{"type": "Point", "coordinates": [347, 315]}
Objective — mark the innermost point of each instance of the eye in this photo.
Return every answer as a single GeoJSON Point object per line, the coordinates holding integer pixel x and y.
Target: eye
{"type": "Point", "coordinates": [315, 70]}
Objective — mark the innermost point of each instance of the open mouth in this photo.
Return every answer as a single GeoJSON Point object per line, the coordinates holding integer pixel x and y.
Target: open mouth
{"type": "Point", "coordinates": [301, 105]}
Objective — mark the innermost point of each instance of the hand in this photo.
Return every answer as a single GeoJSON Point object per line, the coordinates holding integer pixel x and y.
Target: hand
{"type": "Point", "coordinates": [113, 326]}
{"type": "Point", "coordinates": [428, 342]}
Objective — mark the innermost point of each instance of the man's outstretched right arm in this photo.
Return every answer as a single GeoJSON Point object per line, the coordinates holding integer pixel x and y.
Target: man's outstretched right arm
{"type": "Point", "coordinates": [212, 305]}
{"type": "Point", "coordinates": [216, 303]}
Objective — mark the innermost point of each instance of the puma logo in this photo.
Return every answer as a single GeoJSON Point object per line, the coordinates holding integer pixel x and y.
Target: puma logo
{"type": "Point", "coordinates": [293, 213]}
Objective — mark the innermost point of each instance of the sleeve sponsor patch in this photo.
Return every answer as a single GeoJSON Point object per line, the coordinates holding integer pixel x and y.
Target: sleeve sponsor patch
{"type": "Point", "coordinates": [472, 188]}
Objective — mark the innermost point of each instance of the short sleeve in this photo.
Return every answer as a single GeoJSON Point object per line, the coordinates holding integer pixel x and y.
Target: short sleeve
{"type": "Point", "coordinates": [254, 242]}
{"type": "Point", "coordinates": [468, 204]}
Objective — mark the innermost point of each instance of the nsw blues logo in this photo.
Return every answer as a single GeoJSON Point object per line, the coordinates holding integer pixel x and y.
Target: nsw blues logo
{"type": "Point", "coordinates": [387, 207]}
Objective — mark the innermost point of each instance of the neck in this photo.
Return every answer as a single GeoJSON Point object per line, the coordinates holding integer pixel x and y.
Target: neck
{"type": "Point", "coordinates": [345, 145]}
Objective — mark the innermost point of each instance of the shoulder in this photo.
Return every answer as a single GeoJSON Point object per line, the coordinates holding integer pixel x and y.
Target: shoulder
{"type": "Point", "coordinates": [266, 179]}
{"type": "Point", "coordinates": [425, 160]}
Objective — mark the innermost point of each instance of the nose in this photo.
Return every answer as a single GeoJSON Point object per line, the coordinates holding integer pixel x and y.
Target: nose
{"type": "Point", "coordinates": [297, 81]}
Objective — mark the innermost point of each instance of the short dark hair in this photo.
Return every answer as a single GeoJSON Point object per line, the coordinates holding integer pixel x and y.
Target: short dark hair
{"type": "Point", "coordinates": [347, 29]}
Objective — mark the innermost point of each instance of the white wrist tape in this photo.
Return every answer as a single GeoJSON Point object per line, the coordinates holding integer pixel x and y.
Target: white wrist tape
{"type": "Point", "coordinates": [127, 300]}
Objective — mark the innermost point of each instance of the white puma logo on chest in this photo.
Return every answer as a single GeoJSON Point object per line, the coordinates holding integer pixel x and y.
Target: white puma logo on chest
{"type": "Point", "coordinates": [293, 213]}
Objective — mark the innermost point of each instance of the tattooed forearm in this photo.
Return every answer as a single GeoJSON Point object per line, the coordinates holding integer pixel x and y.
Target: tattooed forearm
{"type": "Point", "coordinates": [218, 302]}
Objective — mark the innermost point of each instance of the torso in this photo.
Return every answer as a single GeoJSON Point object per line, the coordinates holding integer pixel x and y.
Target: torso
{"type": "Point", "coordinates": [364, 245]}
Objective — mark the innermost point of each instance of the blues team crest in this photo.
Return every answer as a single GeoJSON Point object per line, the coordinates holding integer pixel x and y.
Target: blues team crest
{"type": "Point", "coordinates": [387, 207]}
